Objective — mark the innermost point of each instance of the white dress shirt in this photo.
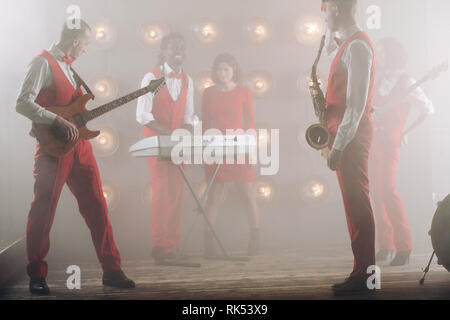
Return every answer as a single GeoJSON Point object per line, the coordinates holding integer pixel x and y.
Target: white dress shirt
{"type": "Point", "coordinates": [145, 103]}
{"type": "Point", "coordinates": [38, 77]}
{"type": "Point", "coordinates": [357, 58]}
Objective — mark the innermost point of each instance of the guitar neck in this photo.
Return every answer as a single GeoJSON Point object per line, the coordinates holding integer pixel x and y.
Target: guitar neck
{"type": "Point", "coordinates": [99, 111]}
{"type": "Point", "coordinates": [407, 92]}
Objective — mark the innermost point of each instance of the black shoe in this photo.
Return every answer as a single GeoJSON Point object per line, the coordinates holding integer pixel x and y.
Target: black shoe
{"type": "Point", "coordinates": [253, 244]}
{"type": "Point", "coordinates": [352, 286]}
{"type": "Point", "coordinates": [158, 253]}
{"type": "Point", "coordinates": [117, 279]}
{"type": "Point", "coordinates": [39, 286]}
{"type": "Point", "coordinates": [383, 255]}
{"type": "Point", "coordinates": [340, 284]}
{"type": "Point", "coordinates": [401, 258]}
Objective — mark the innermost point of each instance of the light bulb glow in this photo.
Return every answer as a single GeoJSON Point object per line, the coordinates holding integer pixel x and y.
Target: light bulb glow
{"type": "Point", "coordinates": [107, 143]}
{"type": "Point", "coordinates": [111, 195]}
{"type": "Point", "coordinates": [203, 81]}
{"type": "Point", "coordinates": [259, 83]}
{"type": "Point", "coordinates": [101, 87]}
{"type": "Point", "coordinates": [206, 31]}
{"type": "Point", "coordinates": [309, 29]}
{"type": "Point", "coordinates": [257, 30]}
{"type": "Point", "coordinates": [265, 191]}
{"type": "Point", "coordinates": [100, 33]}
{"type": "Point", "coordinates": [314, 190]}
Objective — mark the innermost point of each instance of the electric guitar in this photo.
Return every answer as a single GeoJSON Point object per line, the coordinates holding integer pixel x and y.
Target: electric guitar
{"type": "Point", "coordinates": [55, 142]}
{"type": "Point", "coordinates": [432, 75]}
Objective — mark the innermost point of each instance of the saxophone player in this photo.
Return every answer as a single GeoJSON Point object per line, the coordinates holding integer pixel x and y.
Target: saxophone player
{"type": "Point", "coordinates": [349, 121]}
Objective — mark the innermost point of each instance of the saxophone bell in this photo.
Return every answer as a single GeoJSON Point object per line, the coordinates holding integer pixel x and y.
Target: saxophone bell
{"type": "Point", "coordinates": [317, 136]}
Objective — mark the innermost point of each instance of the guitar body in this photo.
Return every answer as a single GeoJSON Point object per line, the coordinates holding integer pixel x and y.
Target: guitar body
{"type": "Point", "coordinates": [52, 140]}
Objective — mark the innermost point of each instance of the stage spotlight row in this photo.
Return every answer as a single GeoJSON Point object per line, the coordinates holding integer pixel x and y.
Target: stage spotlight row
{"type": "Point", "coordinates": [306, 30]}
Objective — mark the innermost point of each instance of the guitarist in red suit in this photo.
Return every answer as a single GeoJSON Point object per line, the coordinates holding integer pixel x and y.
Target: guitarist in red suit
{"type": "Point", "coordinates": [171, 109]}
{"type": "Point", "coordinates": [348, 103]}
{"type": "Point", "coordinates": [392, 226]}
{"type": "Point", "coordinates": [50, 82]}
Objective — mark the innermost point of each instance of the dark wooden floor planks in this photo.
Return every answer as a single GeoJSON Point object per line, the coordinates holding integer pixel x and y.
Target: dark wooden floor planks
{"type": "Point", "coordinates": [277, 275]}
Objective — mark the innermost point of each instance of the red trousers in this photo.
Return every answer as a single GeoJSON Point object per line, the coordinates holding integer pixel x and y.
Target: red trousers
{"type": "Point", "coordinates": [79, 170]}
{"type": "Point", "coordinates": [354, 183]}
{"type": "Point", "coordinates": [392, 226]}
{"type": "Point", "coordinates": [167, 201]}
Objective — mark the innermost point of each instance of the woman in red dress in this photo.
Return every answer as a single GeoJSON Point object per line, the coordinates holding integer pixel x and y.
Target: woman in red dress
{"type": "Point", "coordinates": [228, 105]}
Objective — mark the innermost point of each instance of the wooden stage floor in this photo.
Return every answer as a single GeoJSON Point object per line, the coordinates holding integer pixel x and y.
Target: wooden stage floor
{"type": "Point", "coordinates": [287, 275]}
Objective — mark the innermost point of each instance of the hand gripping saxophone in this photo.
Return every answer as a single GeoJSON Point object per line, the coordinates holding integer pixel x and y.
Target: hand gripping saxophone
{"type": "Point", "coordinates": [317, 135]}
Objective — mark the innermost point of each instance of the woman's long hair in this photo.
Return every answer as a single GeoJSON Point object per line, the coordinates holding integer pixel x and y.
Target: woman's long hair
{"type": "Point", "coordinates": [230, 60]}
{"type": "Point", "coordinates": [396, 57]}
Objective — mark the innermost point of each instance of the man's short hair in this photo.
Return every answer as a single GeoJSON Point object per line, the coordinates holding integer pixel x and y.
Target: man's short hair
{"type": "Point", "coordinates": [169, 37]}
{"type": "Point", "coordinates": [344, 5]}
{"type": "Point", "coordinates": [70, 31]}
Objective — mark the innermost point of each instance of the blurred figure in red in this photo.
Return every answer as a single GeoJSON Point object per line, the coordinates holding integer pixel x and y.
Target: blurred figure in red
{"type": "Point", "coordinates": [392, 84]}
{"type": "Point", "coordinates": [229, 106]}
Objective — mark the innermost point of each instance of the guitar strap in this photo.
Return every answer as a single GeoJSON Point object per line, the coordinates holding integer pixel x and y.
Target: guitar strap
{"type": "Point", "coordinates": [81, 83]}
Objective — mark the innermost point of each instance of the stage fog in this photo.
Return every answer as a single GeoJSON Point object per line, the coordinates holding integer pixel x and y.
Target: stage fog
{"type": "Point", "coordinates": [125, 51]}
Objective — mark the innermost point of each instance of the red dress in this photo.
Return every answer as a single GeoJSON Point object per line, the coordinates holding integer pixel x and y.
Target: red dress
{"type": "Point", "coordinates": [224, 110]}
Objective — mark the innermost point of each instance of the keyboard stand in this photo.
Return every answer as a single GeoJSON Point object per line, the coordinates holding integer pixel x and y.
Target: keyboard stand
{"type": "Point", "coordinates": [201, 210]}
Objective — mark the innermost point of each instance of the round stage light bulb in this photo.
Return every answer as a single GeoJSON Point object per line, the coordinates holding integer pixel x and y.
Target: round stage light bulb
{"type": "Point", "coordinates": [111, 195]}
{"type": "Point", "coordinates": [259, 83]}
{"type": "Point", "coordinates": [317, 189]}
{"type": "Point", "coordinates": [304, 82]}
{"type": "Point", "coordinates": [104, 88]}
{"type": "Point", "coordinates": [207, 83]}
{"type": "Point", "coordinates": [203, 81]}
{"type": "Point", "coordinates": [102, 140]}
{"type": "Point", "coordinates": [257, 30]}
{"type": "Point", "coordinates": [101, 87]}
{"type": "Point", "coordinates": [100, 33]}
{"type": "Point", "coordinates": [309, 30]}
{"type": "Point", "coordinates": [206, 31]}
{"type": "Point", "coordinates": [104, 35]}
{"type": "Point", "coordinates": [265, 189]}
{"type": "Point", "coordinates": [107, 143]}
{"type": "Point", "coordinates": [151, 35]}
{"type": "Point", "coordinates": [314, 189]}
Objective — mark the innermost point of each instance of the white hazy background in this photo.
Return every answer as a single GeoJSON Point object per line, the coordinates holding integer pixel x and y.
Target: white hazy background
{"type": "Point", "coordinates": [28, 26]}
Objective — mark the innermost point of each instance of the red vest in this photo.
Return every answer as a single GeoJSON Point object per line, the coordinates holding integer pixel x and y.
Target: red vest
{"type": "Point", "coordinates": [392, 121]}
{"type": "Point", "coordinates": [337, 88]}
{"type": "Point", "coordinates": [60, 92]}
{"type": "Point", "coordinates": [165, 110]}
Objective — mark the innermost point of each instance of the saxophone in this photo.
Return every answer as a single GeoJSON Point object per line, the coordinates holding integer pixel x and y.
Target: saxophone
{"type": "Point", "coordinates": [317, 135]}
